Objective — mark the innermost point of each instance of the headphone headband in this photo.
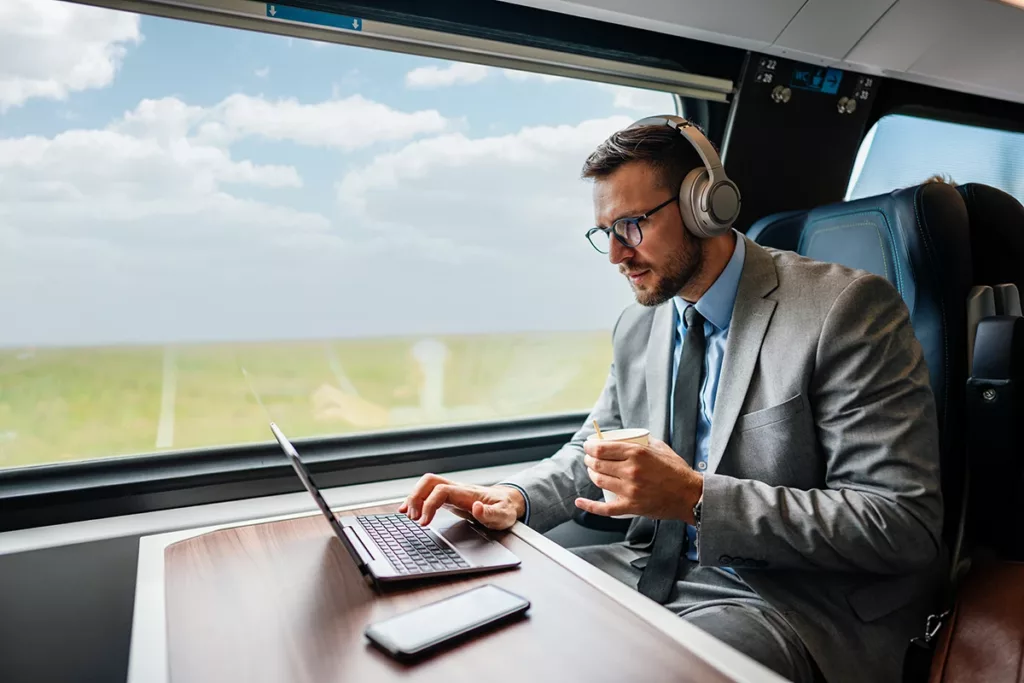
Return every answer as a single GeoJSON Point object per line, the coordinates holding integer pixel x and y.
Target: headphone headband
{"type": "Point", "coordinates": [708, 201]}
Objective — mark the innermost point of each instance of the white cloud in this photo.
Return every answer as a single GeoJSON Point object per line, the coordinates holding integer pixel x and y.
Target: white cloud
{"type": "Point", "coordinates": [647, 102]}
{"type": "Point", "coordinates": [262, 73]}
{"type": "Point", "coordinates": [633, 99]}
{"type": "Point", "coordinates": [99, 156]}
{"type": "Point", "coordinates": [49, 49]}
{"type": "Point", "coordinates": [493, 225]}
{"type": "Point", "coordinates": [502, 194]}
{"type": "Point", "coordinates": [81, 176]}
{"type": "Point", "coordinates": [522, 76]}
{"type": "Point", "coordinates": [140, 231]}
{"type": "Point", "coordinates": [457, 73]}
{"type": "Point", "coordinates": [142, 176]}
{"type": "Point", "coordinates": [535, 147]}
{"type": "Point", "coordinates": [164, 119]}
{"type": "Point", "coordinates": [153, 228]}
{"type": "Point", "coordinates": [165, 171]}
{"type": "Point", "coordinates": [347, 124]}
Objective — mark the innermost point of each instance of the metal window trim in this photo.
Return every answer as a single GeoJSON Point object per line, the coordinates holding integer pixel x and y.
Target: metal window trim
{"type": "Point", "coordinates": [251, 15]}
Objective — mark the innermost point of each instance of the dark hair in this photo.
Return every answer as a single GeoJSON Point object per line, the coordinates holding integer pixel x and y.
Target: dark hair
{"type": "Point", "coordinates": [664, 148]}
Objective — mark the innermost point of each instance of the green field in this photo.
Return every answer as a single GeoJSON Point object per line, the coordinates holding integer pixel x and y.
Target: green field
{"type": "Point", "coordinates": [60, 404]}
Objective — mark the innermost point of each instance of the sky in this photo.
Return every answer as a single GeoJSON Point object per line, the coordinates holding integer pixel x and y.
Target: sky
{"type": "Point", "coordinates": [255, 187]}
{"type": "Point", "coordinates": [165, 182]}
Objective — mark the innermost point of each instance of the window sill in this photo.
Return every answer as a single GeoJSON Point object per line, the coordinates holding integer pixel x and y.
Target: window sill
{"type": "Point", "coordinates": [113, 487]}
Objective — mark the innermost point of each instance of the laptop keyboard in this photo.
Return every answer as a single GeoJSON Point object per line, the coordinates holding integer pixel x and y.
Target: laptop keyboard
{"type": "Point", "coordinates": [410, 548]}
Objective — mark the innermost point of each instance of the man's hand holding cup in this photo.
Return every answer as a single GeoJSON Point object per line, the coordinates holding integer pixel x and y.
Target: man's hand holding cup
{"type": "Point", "coordinates": [639, 476]}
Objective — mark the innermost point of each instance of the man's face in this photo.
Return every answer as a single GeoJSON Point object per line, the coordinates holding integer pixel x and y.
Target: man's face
{"type": "Point", "coordinates": [668, 256]}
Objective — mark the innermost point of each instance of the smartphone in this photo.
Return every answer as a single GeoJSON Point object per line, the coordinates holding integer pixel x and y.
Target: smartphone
{"type": "Point", "coordinates": [427, 628]}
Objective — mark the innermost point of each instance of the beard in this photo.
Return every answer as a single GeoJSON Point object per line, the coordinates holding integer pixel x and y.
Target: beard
{"type": "Point", "coordinates": [680, 267]}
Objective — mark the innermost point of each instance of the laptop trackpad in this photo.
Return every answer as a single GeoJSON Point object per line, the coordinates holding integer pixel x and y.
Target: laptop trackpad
{"type": "Point", "coordinates": [479, 550]}
{"type": "Point", "coordinates": [462, 535]}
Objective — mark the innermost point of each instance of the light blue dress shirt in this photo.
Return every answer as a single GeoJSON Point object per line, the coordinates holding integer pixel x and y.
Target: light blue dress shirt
{"type": "Point", "coordinates": [716, 307]}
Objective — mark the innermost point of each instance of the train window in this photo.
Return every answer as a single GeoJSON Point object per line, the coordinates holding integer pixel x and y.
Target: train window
{"type": "Point", "coordinates": [380, 240]}
{"type": "Point", "coordinates": [903, 151]}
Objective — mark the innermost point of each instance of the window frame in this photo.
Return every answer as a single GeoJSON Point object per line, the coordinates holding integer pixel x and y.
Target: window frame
{"type": "Point", "coordinates": [59, 493]}
{"type": "Point", "coordinates": [899, 97]}
{"type": "Point", "coordinates": [432, 43]}
{"type": "Point", "coordinates": [931, 112]}
{"type": "Point", "coordinates": [953, 115]}
{"type": "Point", "coordinates": [73, 491]}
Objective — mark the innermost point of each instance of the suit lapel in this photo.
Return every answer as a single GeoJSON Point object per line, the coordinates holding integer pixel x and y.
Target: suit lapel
{"type": "Point", "coordinates": [750, 317]}
{"type": "Point", "coordinates": [659, 371]}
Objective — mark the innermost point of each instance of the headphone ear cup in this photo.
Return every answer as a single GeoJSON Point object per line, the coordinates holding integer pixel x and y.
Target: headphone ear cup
{"type": "Point", "coordinates": [689, 200]}
{"type": "Point", "coordinates": [723, 206]}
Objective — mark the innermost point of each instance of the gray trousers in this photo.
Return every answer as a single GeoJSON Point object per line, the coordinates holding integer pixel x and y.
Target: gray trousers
{"type": "Point", "coordinates": [718, 602]}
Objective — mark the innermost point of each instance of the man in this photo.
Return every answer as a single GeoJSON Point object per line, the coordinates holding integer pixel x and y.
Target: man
{"type": "Point", "coordinates": [803, 430]}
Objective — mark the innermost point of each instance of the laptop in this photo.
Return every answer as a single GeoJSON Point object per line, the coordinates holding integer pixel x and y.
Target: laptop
{"type": "Point", "coordinates": [392, 547]}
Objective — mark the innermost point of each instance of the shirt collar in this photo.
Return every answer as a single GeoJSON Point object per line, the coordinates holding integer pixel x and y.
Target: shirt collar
{"type": "Point", "coordinates": [717, 303]}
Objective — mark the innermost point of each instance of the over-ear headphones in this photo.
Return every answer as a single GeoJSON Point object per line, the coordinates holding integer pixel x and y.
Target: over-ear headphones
{"type": "Point", "coordinates": [708, 201]}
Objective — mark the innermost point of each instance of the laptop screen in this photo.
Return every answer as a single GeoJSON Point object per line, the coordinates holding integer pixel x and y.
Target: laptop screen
{"type": "Point", "coordinates": [299, 467]}
{"type": "Point", "coordinates": [307, 481]}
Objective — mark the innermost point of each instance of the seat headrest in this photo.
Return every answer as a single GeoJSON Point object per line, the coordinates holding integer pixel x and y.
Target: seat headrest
{"type": "Point", "coordinates": [780, 230]}
{"type": "Point", "coordinates": [878, 234]}
{"type": "Point", "coordinates": [997, 235]}
{"type": "Point", "coordinates": [887, 233]}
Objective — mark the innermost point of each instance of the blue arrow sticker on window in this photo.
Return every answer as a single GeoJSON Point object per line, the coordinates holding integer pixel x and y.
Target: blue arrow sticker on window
{"type": "Point", "coordinates": [308, 16]}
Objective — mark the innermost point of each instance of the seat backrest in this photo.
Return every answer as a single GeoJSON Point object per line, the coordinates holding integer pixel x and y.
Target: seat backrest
{"type": "Point", "coordinates": [918, 239]}
{"type": "Point", "coordinates": [995, 400]}
{"type": "Point", "coordinates": [997, 235]}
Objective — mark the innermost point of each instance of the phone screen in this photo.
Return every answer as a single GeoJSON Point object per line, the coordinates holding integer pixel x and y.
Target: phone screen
{"type": "Point", "coordinates": [428, 625]}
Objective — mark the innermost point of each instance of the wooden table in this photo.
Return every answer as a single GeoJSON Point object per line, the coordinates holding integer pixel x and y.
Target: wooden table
{"type": "Point", "coordinates": [282, 601]}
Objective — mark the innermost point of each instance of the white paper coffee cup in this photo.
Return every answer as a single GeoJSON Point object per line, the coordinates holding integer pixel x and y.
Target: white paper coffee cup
{"type": "Point", "coordinates": [640, 436]}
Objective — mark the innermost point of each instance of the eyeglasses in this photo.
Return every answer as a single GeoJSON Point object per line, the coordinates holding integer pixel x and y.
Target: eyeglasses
{"type": "Point", "coordinates": [626, 230]}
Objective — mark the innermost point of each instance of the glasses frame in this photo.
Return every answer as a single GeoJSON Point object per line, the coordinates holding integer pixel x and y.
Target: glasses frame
{"type": "Point", "coordinates": [623, 224]}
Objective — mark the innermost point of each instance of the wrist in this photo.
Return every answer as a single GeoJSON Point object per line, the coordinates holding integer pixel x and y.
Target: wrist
{"type": "Point", "coordinates": [693, 494]}
{"type": "Point", "coordinates": [515, 496]}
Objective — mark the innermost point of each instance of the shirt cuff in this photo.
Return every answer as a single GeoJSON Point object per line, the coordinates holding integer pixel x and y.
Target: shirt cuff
{"type": "Point", "coordinates": [526, 514]}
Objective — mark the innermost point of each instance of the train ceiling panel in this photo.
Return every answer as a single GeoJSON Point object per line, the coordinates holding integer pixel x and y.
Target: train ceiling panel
{"type": "Point", "coordinates": [972, 46]}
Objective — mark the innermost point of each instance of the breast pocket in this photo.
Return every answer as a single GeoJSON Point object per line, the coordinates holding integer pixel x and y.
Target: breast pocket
{"type": "Point", "coordinates": [777, 445]}
{"type": "Point", "coordinates": [777, 413]}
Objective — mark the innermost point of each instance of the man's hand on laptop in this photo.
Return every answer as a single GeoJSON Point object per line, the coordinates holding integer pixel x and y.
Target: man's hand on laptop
{"type": "Point", "coordinates": [496, 507]}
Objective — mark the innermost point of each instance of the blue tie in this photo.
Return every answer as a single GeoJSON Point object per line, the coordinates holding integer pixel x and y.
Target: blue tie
{"type": "Point", "coordinates": [659, 576]}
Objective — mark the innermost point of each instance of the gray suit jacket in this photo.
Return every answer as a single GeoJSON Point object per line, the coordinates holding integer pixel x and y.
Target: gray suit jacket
{"type": "Point", "coordinates": [822, 487]}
